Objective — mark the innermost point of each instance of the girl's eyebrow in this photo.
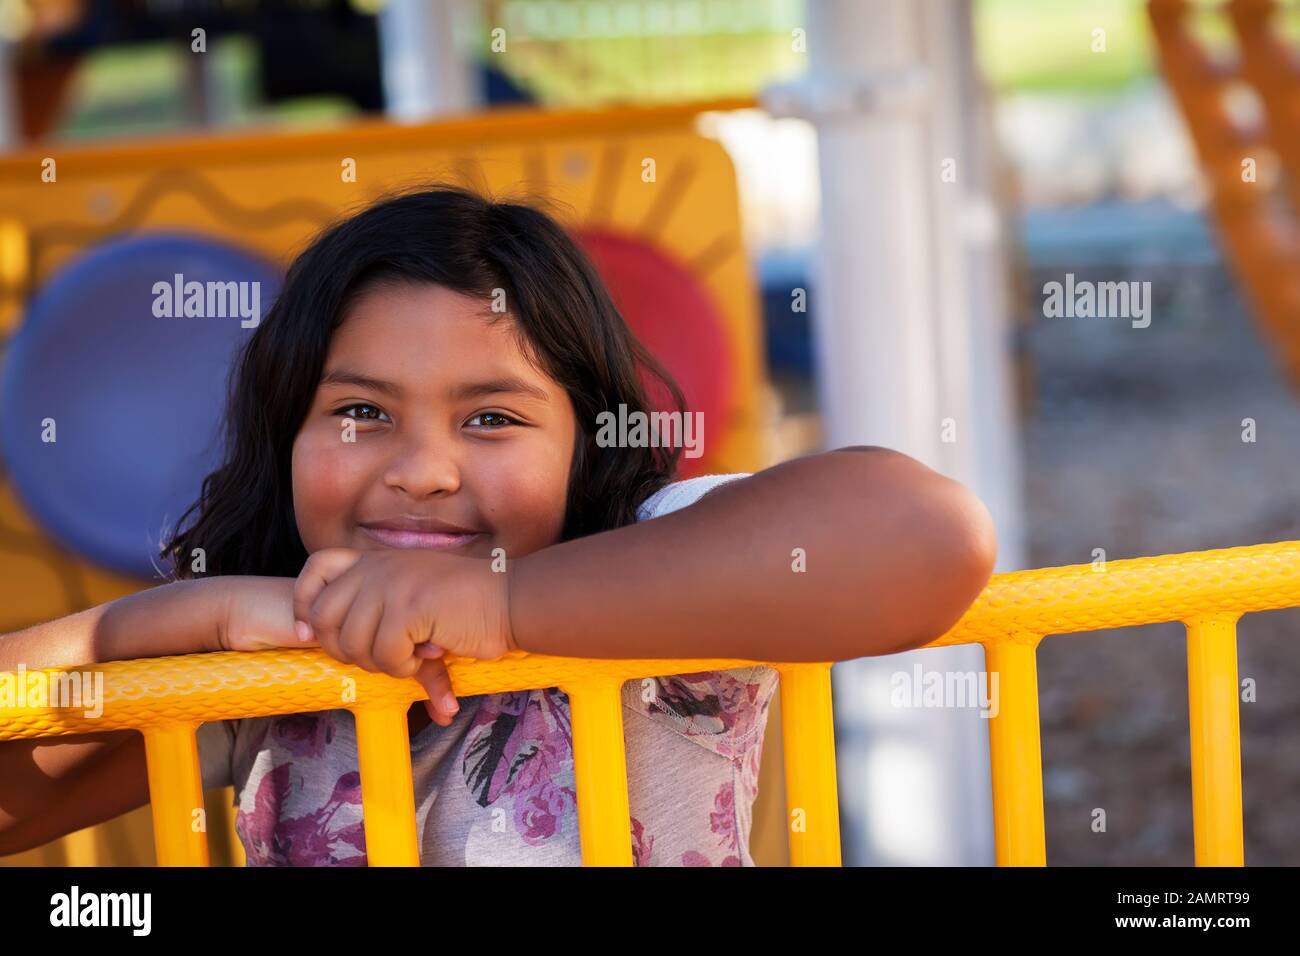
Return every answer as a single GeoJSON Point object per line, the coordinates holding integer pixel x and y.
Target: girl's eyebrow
{"type": "Point", "coordinates": [459, 392]}
{"type": "Point", "coordinates": [497, 386]}
{"type": "Point", "coordinates": [346, 376]}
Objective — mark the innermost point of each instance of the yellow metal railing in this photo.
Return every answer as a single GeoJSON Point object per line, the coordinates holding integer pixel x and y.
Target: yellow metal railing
{"type": "Point", "coordinates": [167, 698]}
{"type": "Point", "coordinates": [1207, 591]}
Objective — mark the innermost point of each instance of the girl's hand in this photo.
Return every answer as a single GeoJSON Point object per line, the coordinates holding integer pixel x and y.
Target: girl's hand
{"type": "Point", "coordinates": [257, 614]}
{"type": "Point", "coordinates": [396, 611]}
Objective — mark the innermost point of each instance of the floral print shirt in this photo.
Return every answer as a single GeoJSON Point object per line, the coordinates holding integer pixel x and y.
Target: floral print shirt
{"type": "Point", "coordinates": [496, 786]}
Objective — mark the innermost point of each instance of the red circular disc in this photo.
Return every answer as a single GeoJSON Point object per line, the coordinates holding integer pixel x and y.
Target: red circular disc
{"type": "Point", "coordinates": [673, 315]}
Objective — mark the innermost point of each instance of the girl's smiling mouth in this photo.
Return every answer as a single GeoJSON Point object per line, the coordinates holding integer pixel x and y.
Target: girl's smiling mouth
{"type": "Point", "coordinates": [409, 531]}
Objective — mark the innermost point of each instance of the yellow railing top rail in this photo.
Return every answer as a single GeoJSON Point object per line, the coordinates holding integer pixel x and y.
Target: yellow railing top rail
{"type": "Point", "coordinates": [1019, 606]}
{"type": "Point", "coordinates": [231, 684]}
{"type": "Point", "coordinates": [1026, 605]}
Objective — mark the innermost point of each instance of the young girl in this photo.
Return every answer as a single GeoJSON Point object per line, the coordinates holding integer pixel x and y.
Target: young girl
{"type": "Point", "coordinates": [420, 404]}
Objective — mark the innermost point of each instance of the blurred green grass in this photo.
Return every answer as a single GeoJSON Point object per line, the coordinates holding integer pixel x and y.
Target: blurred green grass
{"type": "Point", "coordinates": [1046, 45]}
{"type": "Point", "coordinates": [1041, 45]}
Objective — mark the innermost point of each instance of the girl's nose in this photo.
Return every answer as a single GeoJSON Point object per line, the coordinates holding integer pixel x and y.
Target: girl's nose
{"type": "Point", "coordinates": [424, 469]}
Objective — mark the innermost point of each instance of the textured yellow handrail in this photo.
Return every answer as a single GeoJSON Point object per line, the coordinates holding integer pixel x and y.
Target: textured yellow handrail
{"type": "Point", "coordinates": [1207, 591]}
{"type": "Point", "coordinates": [167, 698]}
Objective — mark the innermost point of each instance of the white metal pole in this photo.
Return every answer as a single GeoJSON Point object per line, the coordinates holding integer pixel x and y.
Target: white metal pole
{"type": "Point", "coordinates": [974, 310]}
{"type": "Point", "coordinates": [9, 134]}
{"type": "Point", "coordinates": [425, 70]}
{"type": "Point", "coordinates": [900, 348]}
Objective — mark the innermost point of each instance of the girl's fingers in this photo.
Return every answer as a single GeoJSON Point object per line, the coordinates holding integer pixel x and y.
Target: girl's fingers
{"type": "Point", "coordinates": [433, 677]}
{"type": "Point", "coordinates": [328, 614]}
{"type": "Point", "coordinates": [428, 650]}
{"type": "Point", "coordinates": [297, 640]}
{"type": "Point", "coordinates": [321, 568]}
{"type": "Point", "coordinates": [360, 625]}
{"type": "Point", "coordinates": [392, 649]}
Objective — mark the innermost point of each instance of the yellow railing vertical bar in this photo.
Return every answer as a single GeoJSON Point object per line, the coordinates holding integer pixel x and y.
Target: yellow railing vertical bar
{"type": "Point", "coordinates": [1015, 752]}
{"type": "Point", "coordinates": [387, 787]}
{"type": "Point", "coordinates": [600, 772]}
{"type": "Point", "coordinates": [1215, 721]}
{"type": "Point", "coordinates": [175, 794]}
{"type": "Point", "coordinates": [811, 789]}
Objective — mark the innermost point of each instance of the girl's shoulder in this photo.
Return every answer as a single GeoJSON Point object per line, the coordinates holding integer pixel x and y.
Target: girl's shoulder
{"type": "Point", "coordinates": [679, 494]}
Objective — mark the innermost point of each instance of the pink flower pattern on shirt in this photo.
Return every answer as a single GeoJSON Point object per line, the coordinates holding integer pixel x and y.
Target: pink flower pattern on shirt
{"type": "Point", "coordinates": [309, 840]}
{"type": "Point", "coordinates": [518, 753]}
{"type": "Point", "coordinates": [642, 844]}
{"type": "Point", "coordinates": [724, 712]}
{"type": "Point", "coordinates": [521, 745]}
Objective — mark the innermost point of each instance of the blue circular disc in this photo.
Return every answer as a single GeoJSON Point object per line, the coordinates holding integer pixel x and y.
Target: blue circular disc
{"type": "Point", "coordinates": [131, 392]}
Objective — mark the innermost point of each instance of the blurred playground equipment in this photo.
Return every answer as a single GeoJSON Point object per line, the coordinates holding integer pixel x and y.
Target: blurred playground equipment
{"type": "Point", "coordinates": [168, 698]}
{"type": "Point", "coordinates": [934, 258]}
{"type": "Point", "coordinates": [85, 233]}
{"type": "Point", "coordinates": [1241, 111]}
{"type": "Point", "coordinates": [78, 520]}
{"type": "Point", "coordinates": [77, 254]}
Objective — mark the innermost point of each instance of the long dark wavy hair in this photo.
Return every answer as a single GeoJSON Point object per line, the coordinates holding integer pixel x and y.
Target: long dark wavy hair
{"type": "Point", "coordinates": [461, 239]}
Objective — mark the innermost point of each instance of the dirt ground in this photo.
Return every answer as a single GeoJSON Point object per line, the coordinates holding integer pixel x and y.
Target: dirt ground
{"type": "Point", "coordinates": [1132, 442]}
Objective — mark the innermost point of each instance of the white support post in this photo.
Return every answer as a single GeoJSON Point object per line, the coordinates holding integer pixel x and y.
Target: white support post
{"type": "Point", "coordinates": [9, 133]}
{"type": "Point", "coordinates": [426, 73]}
{"type": "Point", "coordinates": [910, 330]}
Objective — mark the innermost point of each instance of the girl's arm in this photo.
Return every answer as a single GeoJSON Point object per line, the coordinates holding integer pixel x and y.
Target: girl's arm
{"type": "Point", "coordinates": [894, 554]}
{"type": "Point", "coordinates": [183, 617]}
{"type": "Point", "coordinates": [53, 786]}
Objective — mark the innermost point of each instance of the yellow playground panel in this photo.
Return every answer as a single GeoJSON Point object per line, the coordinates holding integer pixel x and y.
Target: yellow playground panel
{"type": "Point", "coordinates": [643, 173]}
{"type": "Point", "coordinates": [640, 173]}
{"type": "Point", "coordinates": [168, 698]}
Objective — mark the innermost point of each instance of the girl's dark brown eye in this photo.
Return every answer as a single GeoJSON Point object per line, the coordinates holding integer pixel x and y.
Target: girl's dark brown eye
{"type": "Point", "coordinates": [347, 411]}
{"type": "Point", "coordinates": [498, 420]}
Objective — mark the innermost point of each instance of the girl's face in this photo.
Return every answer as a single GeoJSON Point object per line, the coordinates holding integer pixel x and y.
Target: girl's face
{"type": "Point", "coordinates": [459, 442]}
